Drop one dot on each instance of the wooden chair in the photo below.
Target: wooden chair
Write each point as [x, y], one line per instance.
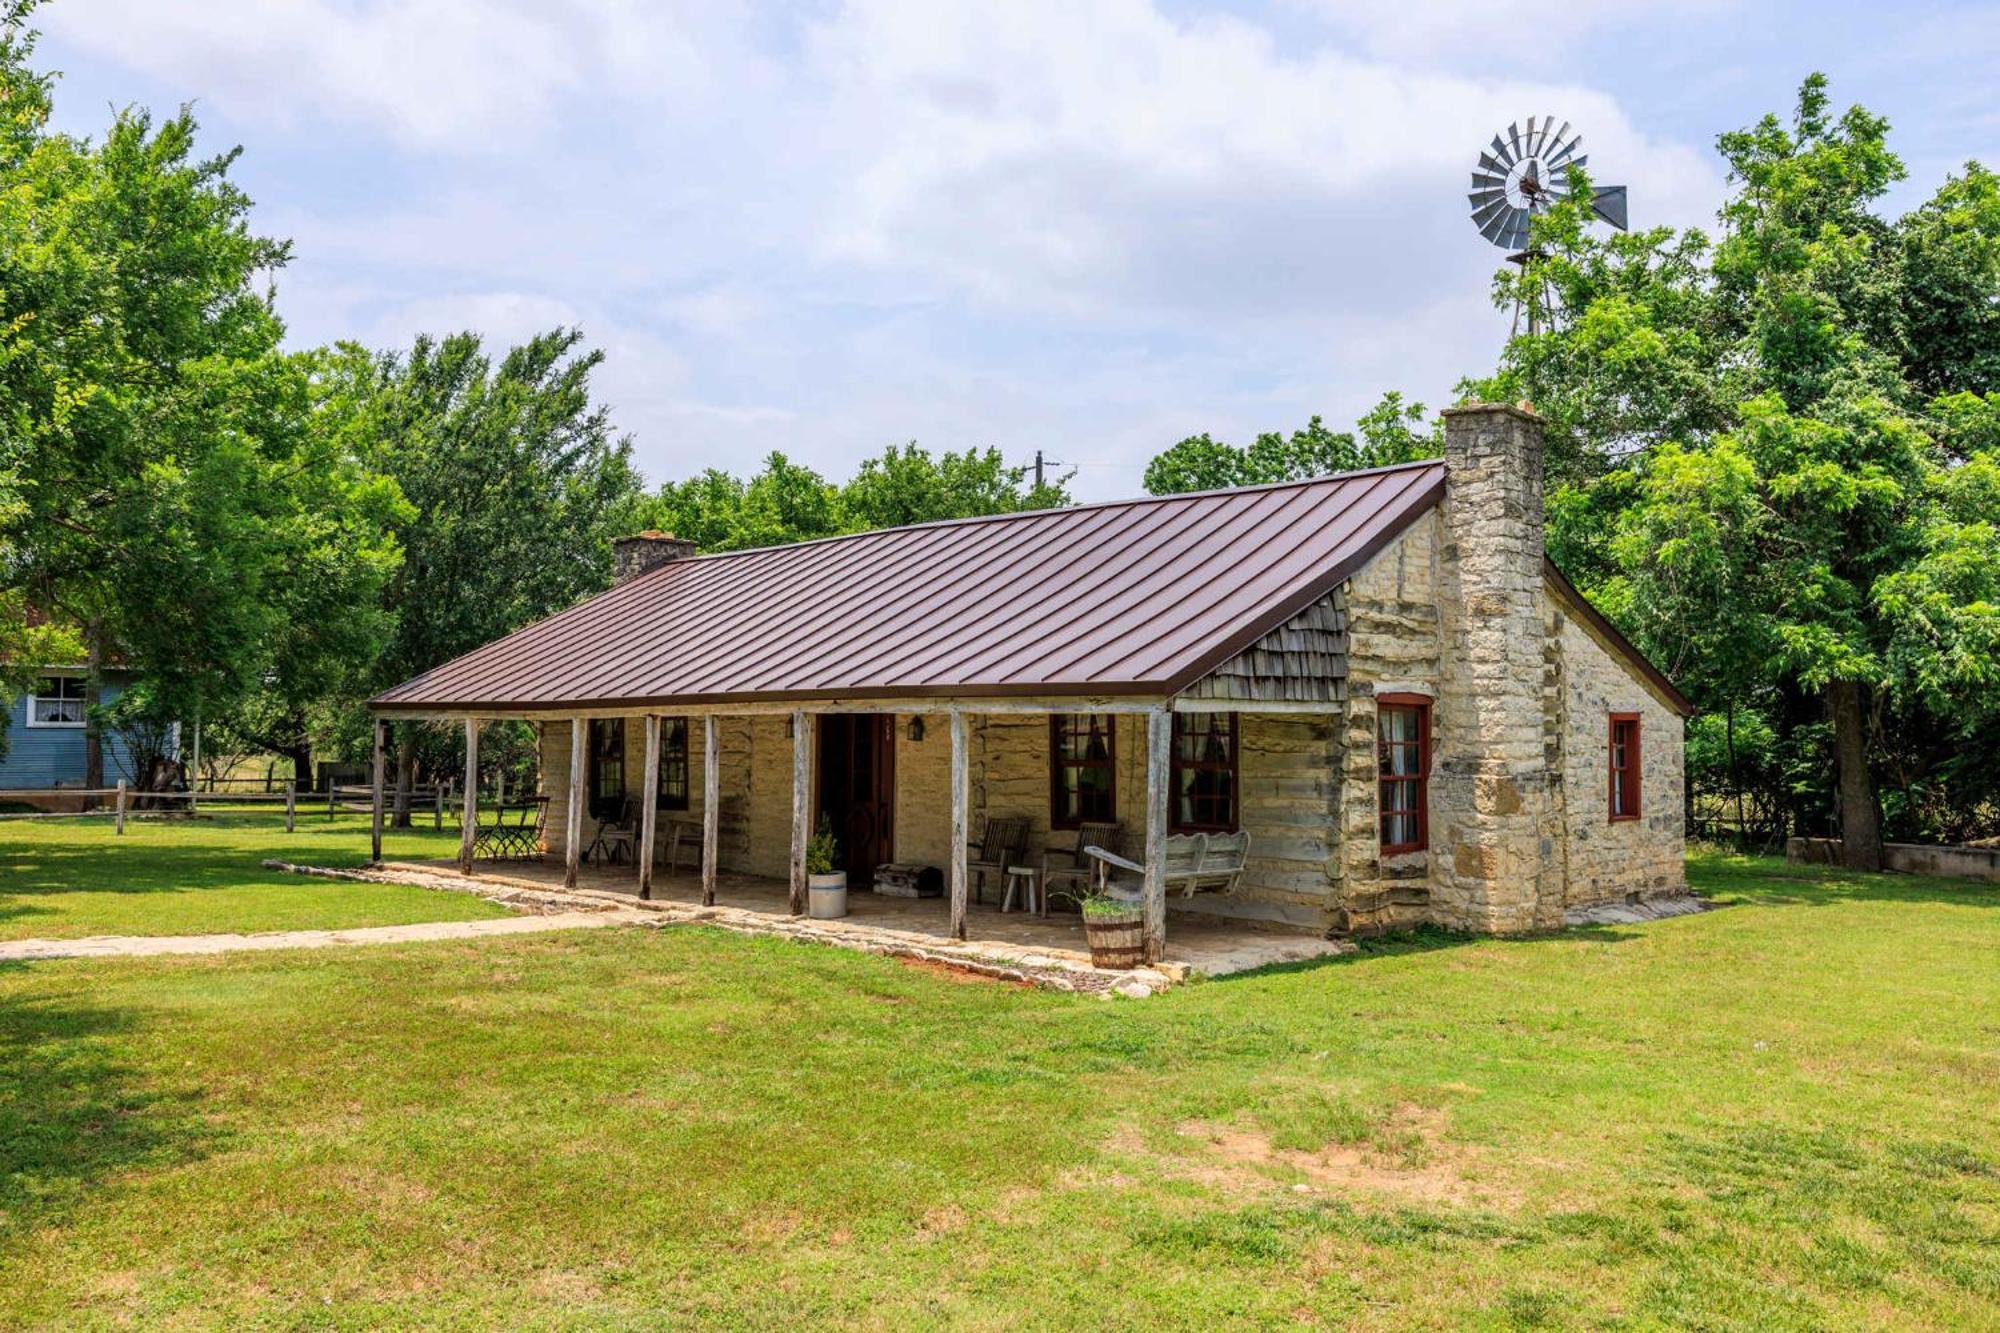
[675, 833]
[1066, 871]
[1004, 843]
[1195, 862]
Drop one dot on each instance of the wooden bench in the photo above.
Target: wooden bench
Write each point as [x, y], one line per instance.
[1196, 863]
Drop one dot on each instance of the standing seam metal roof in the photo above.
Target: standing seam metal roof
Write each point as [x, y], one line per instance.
[1129, 597]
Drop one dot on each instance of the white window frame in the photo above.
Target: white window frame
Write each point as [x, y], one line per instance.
[36, 697]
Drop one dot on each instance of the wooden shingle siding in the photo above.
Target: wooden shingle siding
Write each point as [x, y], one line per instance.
[1304, 660]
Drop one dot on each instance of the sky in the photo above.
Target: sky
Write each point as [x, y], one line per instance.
[1088, 227]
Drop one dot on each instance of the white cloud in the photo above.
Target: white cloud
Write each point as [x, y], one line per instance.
[1087, 228]
[458, 75]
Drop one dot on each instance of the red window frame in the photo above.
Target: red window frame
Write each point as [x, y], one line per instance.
[1199, 783]
[1622, 763]
[1387, 780]
[1094, 726]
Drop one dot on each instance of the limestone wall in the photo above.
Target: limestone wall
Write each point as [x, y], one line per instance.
[1602, 859]
[1394, 646]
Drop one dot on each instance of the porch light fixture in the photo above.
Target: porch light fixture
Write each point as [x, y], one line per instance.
[917, 727]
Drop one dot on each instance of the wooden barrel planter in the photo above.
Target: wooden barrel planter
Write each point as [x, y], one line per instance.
[1117, 939]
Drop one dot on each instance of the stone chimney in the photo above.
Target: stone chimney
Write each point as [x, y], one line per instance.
[1496, 787]
[642, 551]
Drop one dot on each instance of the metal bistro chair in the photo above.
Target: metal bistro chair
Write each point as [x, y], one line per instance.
[1004, 843]
[513, 839]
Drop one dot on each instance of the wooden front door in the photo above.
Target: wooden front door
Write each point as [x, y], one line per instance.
[857, 785]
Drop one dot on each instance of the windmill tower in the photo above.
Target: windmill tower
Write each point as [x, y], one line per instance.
[1523, 173]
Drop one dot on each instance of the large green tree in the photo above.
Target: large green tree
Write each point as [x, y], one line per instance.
[1770, 450]
[171, 503]
[514, 479]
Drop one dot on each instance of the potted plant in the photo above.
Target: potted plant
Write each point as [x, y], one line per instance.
[826, 888]
[1115, 927]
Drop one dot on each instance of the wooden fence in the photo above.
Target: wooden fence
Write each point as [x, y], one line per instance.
[124, 795]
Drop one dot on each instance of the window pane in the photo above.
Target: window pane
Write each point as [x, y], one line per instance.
[1082, 773]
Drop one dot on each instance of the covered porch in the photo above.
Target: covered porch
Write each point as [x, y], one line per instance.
[744, 786]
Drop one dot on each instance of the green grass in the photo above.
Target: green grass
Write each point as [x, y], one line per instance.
[1781, 1115]
[64, 878]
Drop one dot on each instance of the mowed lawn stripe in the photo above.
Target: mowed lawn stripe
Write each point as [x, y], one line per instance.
[67, 879]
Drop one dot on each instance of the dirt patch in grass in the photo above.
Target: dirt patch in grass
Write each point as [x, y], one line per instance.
[1407, 1159]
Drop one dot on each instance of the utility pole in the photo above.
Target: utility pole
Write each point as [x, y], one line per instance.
[1038, 469]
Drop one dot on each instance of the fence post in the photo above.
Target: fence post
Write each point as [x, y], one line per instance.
[121, 805]
[291, 806]
[437, 805]
[332, 794]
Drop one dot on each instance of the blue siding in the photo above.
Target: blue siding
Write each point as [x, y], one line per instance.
[53, 756]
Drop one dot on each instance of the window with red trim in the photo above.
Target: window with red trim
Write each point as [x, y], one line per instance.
[1624, 766]
[1403, 768]
[1204, 773]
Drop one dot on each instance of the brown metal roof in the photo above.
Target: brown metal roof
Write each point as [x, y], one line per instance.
[1133, 597]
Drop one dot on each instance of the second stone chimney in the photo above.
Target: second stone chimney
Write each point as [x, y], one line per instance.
[642, 551]
[1495, 792]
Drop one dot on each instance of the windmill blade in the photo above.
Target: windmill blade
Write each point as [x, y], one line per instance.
[1492, 163]
[1499, 211]
[1481, 198]
[1514, 137]
[1489, 180]
[1609, 204]
[1528, 139]
[1500, 151]
[1559, 158]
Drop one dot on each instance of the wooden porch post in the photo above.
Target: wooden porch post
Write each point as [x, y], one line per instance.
[1159, 754]
[649, 793]
[381, 729]
[579, 729]
[802, 737]
[961, 796]
[711, 806]
[468, 824]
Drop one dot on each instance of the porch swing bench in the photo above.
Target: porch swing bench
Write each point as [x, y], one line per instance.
[1195, 863]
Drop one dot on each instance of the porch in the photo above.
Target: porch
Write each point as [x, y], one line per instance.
[738, 790]
[1209, 946]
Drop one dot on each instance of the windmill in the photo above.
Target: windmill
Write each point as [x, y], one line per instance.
[1523, 173]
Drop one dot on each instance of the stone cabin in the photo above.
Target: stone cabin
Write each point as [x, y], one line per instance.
[1379, 676]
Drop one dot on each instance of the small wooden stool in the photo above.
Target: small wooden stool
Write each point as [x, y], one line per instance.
[1028, 878]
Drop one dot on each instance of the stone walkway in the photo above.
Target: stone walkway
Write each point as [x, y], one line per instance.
[148, 946]
[1055, 969]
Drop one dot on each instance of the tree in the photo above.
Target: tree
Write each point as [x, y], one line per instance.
[785, 502]
[169, 491]
[1388, 434]
[1757, 476]
[514, 485]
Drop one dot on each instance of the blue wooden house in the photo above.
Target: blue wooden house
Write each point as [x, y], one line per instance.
[45, 735]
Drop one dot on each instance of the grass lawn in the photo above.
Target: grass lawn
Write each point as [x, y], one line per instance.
[1781, 1115]
[67, 878]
